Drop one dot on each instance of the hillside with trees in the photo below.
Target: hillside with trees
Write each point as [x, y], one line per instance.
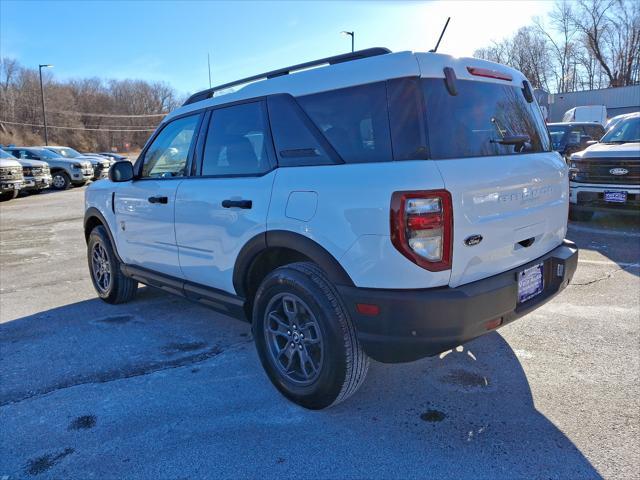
[88, 114]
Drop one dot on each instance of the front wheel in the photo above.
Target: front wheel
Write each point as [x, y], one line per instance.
[108, 280]
[305, 338]
[60, 181]
[8, 195]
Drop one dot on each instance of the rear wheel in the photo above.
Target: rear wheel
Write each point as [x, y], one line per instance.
[305, 338]
[580, 215]
[108, 280]
[60, 181]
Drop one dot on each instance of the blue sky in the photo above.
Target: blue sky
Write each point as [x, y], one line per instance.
[169, 40]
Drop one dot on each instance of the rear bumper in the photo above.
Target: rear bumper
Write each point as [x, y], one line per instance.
[413, 324]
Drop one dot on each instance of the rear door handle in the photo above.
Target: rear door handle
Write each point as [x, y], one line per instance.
[247, 204]
[158, 200]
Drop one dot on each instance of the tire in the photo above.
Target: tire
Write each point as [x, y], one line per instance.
[9, 195]
[60, 181]
[580, 215]
[104, 267]
[335, 364]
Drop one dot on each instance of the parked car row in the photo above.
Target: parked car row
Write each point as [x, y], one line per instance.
[33, 169]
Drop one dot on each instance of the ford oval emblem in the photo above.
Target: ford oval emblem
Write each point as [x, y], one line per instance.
[472, 240]
[618, 171]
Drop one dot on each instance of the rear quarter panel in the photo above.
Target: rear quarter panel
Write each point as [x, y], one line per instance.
[351, 218]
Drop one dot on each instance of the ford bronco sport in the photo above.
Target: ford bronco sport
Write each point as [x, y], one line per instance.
[387, 205]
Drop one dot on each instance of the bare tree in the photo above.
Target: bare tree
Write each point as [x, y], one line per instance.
[526, 51]
[611, 33]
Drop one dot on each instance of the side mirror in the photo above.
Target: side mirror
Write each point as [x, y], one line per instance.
[591, 142]
[121, 171]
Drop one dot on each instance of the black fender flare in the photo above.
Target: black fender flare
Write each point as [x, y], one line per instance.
[93, 212]
[291, 240]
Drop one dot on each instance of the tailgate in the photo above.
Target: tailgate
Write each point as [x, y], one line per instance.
[518, 204]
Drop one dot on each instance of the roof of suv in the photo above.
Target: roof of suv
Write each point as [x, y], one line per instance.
[361, 67]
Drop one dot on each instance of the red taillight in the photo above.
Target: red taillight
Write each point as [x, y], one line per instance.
[485, 72]
[421, 227]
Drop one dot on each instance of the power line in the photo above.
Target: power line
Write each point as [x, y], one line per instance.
[120, 126]
[68, 112]
[78, 128]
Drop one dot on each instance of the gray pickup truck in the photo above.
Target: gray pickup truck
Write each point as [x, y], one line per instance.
[100, 163]
[64, 172]
[11, 179]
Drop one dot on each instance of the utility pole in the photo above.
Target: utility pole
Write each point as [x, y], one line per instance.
[352, 35]
[44, 113]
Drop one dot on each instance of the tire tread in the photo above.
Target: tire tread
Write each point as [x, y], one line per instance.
[357, 359]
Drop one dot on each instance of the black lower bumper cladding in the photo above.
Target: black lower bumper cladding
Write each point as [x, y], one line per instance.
[413, 324]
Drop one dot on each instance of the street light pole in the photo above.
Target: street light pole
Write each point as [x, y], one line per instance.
[44, 114]
[352, 35]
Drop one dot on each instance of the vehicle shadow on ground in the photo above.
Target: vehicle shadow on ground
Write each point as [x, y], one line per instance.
[468, 413]
[472, 409]
[615, 236]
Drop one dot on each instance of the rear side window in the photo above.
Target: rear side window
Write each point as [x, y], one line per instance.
[237, 141]
[406, 118]
[594, 131]
[354, 120]
[483, 114]
[295, 143]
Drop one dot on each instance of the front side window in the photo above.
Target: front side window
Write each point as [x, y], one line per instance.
[354, 120]
[44, 153]
[167, 156]
[236, 142]
[484, 119]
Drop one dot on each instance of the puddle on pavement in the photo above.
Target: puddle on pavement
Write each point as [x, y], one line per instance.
[433, 416]
[84, 422]
[116, 319]
[40, 465]
[173, 348]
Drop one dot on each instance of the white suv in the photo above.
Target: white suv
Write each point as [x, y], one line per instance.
[386, 205]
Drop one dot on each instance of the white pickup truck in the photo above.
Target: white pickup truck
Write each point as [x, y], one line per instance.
[606, 175]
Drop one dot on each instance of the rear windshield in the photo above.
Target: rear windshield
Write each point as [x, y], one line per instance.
[481, 116]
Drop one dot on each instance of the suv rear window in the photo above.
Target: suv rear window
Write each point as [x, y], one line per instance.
[471, 123]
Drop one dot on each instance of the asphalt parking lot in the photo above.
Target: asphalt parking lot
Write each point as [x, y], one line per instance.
[165, 388]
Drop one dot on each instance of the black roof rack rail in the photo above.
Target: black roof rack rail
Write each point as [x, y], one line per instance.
[345, 57]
